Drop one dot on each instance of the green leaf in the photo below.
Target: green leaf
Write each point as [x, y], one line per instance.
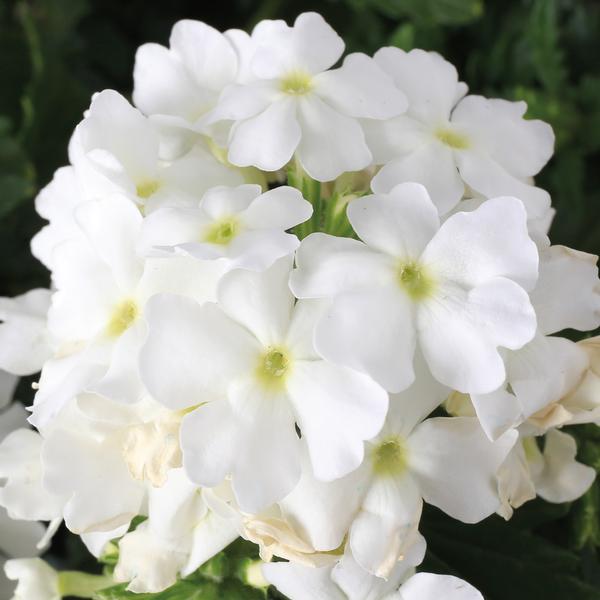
[441, 12]
[502, 560]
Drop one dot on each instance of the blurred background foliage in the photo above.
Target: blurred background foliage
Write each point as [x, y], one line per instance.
[55, 53]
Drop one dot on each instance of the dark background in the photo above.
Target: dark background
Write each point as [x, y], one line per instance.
[55, 53]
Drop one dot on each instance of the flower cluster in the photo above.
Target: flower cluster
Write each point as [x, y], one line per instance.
[293, 301]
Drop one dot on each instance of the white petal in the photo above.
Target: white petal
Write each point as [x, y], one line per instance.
[252, 438]
[373, 332]
[279, 208]
[359, 88]
[400, 223]
[24, 340]
[112, 226]
[322, 512]
[497, 411]
[260, 301]
[192, 351]
[222, 201]
[408, 408]
[427, 586]
[451, 455]
[563, 479]
[167, 227]
[268, 140]
[163, 86]
[520, 146]
[337, 410]
[311, 44]
[207, 53]
[430, 82]
[328, 265]
[331, 143]
[460, 333]
[104, 496]
[491, 241]
[115, 127]
[211, 535]
[567, 294]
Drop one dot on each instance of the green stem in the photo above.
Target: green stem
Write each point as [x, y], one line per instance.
[82, 585]
[311, 190]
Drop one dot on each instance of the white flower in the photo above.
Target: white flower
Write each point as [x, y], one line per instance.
[180, 534]
[240, 225]
[347, 581]
[24, 340]
[250, 359]
[448, 143]
[117, 149]
[412, 460]
[97, 311]
[455, 289]
[37, 580]
[293, 105]
[545, 370]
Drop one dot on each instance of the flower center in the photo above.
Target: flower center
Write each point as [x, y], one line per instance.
[122, 317]
[273, 366]
[222, 232]
[297, 83]
[452, 138]
[145, 189]
[414, 281]
[390, 457]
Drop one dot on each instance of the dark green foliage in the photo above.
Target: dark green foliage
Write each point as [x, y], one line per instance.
[55, 53]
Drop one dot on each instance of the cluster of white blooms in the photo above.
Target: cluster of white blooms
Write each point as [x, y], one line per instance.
[293, 301]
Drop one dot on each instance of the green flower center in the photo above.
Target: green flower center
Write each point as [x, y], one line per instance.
[122, 318]
[414, 281]
[297, 83]
[273, 367]
[145, 189]
[390, 457]
[222, 232]
[452, 138]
